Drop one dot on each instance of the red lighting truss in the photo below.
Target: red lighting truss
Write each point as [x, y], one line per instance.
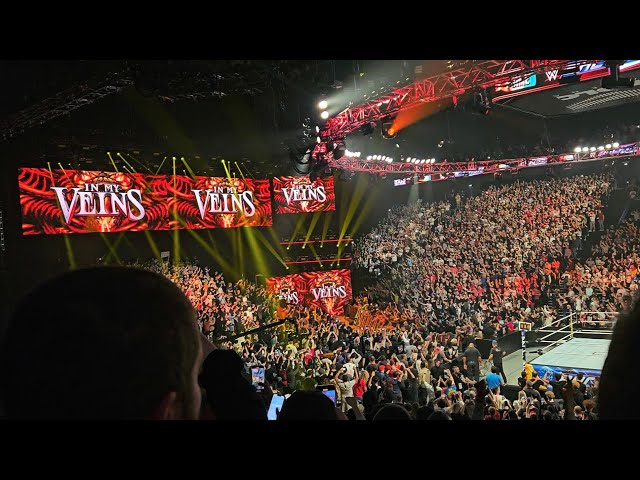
[478, 167]
[490, 73]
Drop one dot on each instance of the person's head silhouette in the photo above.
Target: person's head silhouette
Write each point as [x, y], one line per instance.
[103, 343]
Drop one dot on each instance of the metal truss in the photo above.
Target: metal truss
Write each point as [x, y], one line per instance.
[209, 94]
[477, 167]
[61, 104]
[456, 82]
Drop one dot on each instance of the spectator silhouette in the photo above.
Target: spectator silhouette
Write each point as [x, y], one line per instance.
[75, 350]
[305, 405]
[616, 393]
[230, 395]
[392, 411]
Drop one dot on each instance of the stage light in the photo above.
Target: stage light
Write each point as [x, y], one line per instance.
[323, 105]
[339, 149]
[482, 102]
[324, 115]
[397, 146]
[301, 160]
[601, 148]
[174, 159]
[317, 129]
[577, 150]
[409, 159]
[592, 149]
[616, 144]
[585, 149]
[433, 160]
[388, 131]
[318, 140]
[608, 146]
[368, 157]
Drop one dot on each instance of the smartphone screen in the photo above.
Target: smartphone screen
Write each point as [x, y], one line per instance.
[276, 402]
[328, 391]
[257, 377]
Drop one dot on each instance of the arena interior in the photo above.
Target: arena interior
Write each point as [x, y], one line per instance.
[319, 240]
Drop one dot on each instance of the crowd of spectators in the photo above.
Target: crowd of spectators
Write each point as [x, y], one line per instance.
[224, 308]
[492, 260]
[451, 274]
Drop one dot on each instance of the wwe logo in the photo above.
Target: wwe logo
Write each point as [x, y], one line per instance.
[551, 75]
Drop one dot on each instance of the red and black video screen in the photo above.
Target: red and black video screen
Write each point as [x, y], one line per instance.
[330, 290]
[301, 195]
[82, 201]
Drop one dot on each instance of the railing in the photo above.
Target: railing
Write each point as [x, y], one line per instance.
[568, 325]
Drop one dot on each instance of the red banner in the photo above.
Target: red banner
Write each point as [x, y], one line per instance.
[330, 290]
[301, 195]
[81, 201]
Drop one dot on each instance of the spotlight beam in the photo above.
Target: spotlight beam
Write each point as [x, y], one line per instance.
[325, 227]
[239, 170]
[70, 255]
[269, 247]
[207, 247]
[314, 220]
[133, 170]
[256, 252]
[361, 188]
[116, 244]
[183, 160]
[112, 250]
[112, 161]
[140, 163]
[247, 169]
[152, 244]
[299, 223]
[161, 164]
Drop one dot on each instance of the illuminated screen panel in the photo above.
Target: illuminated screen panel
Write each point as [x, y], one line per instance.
[81, 201]
[290, 288]
[329, 290]
[301, 195]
